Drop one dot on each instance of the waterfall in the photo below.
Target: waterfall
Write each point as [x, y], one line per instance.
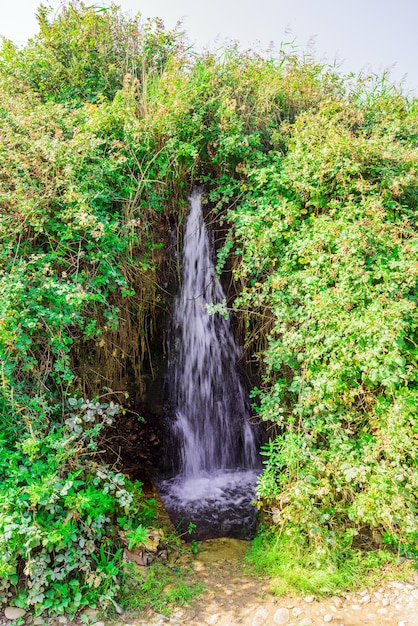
[211, 421]
[216, 446]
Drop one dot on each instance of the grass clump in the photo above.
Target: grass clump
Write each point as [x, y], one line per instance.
[161, 588]
[297, 567]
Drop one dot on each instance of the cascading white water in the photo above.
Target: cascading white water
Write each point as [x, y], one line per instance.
[216, 446]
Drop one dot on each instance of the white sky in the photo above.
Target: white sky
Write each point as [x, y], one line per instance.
[361, 34]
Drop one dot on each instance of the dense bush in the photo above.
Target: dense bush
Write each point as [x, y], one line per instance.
[56, 508]
[77, 254]
[329, 242]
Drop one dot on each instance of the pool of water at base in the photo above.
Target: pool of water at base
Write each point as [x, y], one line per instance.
[218, 504]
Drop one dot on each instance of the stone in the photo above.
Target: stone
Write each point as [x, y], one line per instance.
[414, 593]
[90, 613]
[397, 585]
[337, 602]
[63, 620]
[356, 607]
[328, 618]
[385, 601]
[296, 612]
[178, 615]
[38, 621]
[14, 612]
[305, 622]
[213, 619]
[99, 624]
[365, 600]
[382, 611]
[402, 623]
[198, 566]
[260, 616]
[281, 616]
[309, 599]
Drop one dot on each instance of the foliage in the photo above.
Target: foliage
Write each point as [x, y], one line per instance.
[77, 252]
[105, 123]
[329, 245]
[84, 54]
[56, 507]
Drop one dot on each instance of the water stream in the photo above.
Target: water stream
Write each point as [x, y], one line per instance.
[213, 444]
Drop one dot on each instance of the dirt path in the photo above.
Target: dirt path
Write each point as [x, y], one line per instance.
[231, 597]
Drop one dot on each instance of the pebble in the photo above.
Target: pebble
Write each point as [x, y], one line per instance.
[260, 616]
[90, 613]
[328, 618]
[397, 585]
[296, 612]
[356, 607]
[213, 619]
[63, 620]
[365, 600]
[401, 623]
[38, 621]
[414, 593]
[309, 599]
[281, 616]
[178, 615]
[385, 601]
[382, 611]
[13, 612]
[338, 602]
[306, 622]
[99, 624]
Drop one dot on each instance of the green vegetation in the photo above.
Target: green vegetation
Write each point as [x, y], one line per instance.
[105, 124]
[161, 587]
[296, 566]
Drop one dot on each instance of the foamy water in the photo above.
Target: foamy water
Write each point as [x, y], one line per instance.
[219, 504]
